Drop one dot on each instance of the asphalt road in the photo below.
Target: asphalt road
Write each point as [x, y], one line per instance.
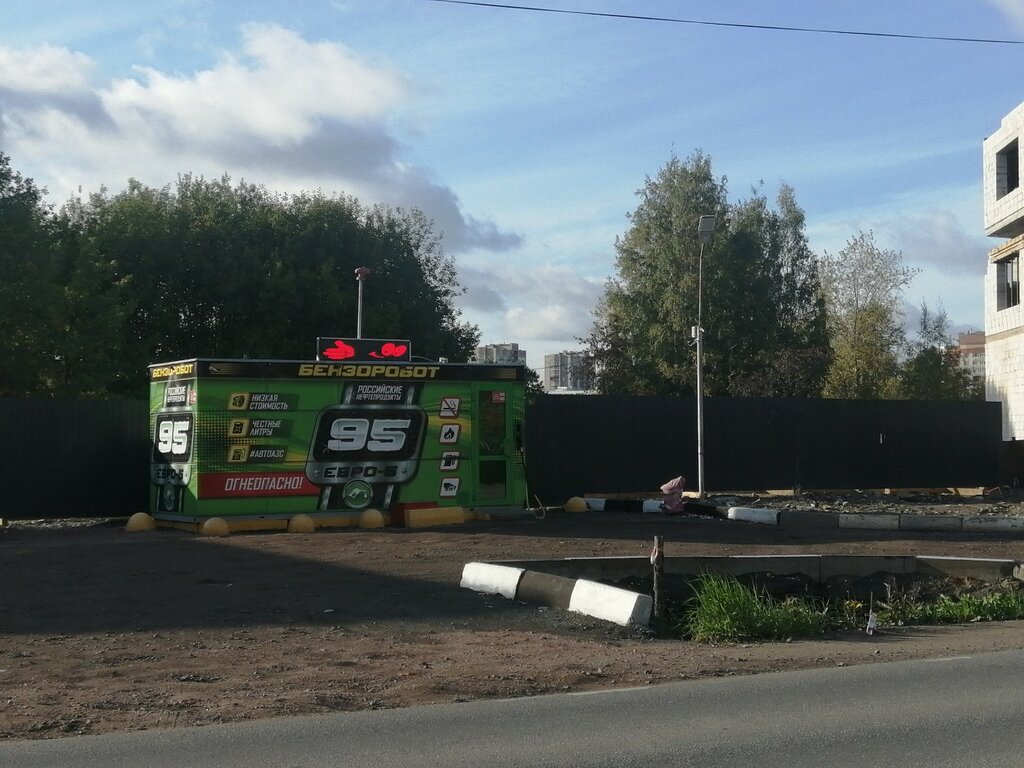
[962, 711]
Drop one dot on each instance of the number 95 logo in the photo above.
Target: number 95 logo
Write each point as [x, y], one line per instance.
[172, 441]
[377, 443]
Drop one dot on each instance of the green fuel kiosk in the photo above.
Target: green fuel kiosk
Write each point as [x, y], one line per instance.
[256, 442]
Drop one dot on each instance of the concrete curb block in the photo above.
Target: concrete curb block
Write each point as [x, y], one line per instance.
[424, 518]
[754, 515]
[931, 523]
[818, 568]
[826, 520]
[492, 579]
[985, 568]
[590, 598]
[985, 524]
[807, 520]
[611, 603]
[546, 589]
[625, 607]
[635, 506]
[869, 522]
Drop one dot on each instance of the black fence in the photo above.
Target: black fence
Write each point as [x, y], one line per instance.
[579, 444]
[90, 458]
[73, 458]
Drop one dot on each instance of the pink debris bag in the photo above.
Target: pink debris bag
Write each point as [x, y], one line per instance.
[673, 490]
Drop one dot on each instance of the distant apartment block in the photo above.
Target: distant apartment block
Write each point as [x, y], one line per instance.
[1004, 315]
[565, 372]
[971, 348]
[500, 354]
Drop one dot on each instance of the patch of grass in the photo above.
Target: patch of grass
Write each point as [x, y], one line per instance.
[723, 609]
[995, 606]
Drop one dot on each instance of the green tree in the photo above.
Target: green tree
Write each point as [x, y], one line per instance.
[932, 370]
[92, 304]
[777, 334]
[534, 385]
[640, 342]
[762, 312]
[862, 287]
[27, 290]
[210, 269]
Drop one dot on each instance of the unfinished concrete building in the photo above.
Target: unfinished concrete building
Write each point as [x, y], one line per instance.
[1004, 314]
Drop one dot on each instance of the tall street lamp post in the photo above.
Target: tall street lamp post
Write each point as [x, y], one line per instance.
[705, 228]
[361, 274]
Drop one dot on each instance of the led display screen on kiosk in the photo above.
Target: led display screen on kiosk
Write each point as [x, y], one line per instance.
[384, 350]
[375, 443]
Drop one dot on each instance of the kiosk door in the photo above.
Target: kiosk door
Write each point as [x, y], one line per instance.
[494, 447]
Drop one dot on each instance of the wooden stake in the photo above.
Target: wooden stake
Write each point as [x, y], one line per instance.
[658, 562]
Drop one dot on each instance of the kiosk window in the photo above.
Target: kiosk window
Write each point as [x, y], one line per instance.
[492, 424]
[492, 464]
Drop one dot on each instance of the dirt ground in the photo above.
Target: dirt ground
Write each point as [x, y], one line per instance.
[103, 630]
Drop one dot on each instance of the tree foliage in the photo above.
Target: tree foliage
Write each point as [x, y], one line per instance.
[27, 296]
[209, 269]
[863, 290]
[763, 317]
[932, 369]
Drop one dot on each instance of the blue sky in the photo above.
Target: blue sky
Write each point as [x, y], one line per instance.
[525, 135]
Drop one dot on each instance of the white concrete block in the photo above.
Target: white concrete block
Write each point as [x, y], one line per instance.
[611, 603]
[754, 515]
[491, 579]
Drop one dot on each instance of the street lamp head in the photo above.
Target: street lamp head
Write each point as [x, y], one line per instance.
[705, 228]
[362, 273]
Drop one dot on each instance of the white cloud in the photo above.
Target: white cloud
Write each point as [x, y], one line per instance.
[1012, 9]
[278, 94]
[551, 323]
[540, 304]
[483, 290]
[286, 112]
[936, 240]
[43, 70]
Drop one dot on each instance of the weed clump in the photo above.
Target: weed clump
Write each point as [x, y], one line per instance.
[723, 609]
